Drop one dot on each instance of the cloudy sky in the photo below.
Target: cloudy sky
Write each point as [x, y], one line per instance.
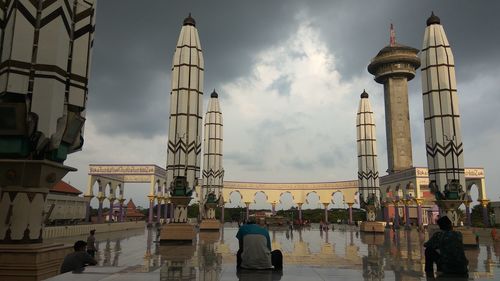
[289, 75]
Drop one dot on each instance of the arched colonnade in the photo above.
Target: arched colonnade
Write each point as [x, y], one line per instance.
[110, 178]
[299, 192]
[406, 198]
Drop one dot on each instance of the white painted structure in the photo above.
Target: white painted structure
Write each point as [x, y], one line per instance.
[443, 134]
[184, 134]
[68, 208]
[213, 170]
[45, 54]
[368, 181]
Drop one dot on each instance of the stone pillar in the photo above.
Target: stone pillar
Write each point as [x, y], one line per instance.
[273, 208]
[484, 207]
[120, 219]
[24, 185]
[172, 207]
[222, 214]
[350, 212]
[468, 220]
[111, 207]
[409, 251]
[326, 212]
[181, 208]
[449, 208]
[396, 215]
[407, 213]
[300, 212]
[247, 204]
[99, 210]
[158, 208]
[430, 217]
[419, 202]
[88, 198]
[165, 210]
[386, 215]
[210, 210]
[151, 204]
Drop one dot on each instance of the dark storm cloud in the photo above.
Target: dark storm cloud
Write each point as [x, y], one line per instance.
[134, 45]
[356, 31]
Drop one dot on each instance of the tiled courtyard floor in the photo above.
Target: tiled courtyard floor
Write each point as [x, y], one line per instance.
[309, 254]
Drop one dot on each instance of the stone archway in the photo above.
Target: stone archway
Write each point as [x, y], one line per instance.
[115, 176]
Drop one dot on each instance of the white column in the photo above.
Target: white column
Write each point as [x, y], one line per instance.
[213, 171]
[368, 180]
[184, 134]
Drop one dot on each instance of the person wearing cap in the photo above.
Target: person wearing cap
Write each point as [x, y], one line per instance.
[77, 260]
[255, 249]
[91, 249]
[446, 249]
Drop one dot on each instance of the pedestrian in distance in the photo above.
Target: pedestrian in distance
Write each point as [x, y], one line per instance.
[91, 249]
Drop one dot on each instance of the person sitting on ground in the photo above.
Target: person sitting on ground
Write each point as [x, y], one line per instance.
[77, 260]
[255, 248]
[446, 249]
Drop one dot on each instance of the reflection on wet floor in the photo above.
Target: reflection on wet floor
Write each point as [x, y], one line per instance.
[308, 254]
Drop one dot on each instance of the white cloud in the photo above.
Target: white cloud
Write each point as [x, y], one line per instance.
[304, 134]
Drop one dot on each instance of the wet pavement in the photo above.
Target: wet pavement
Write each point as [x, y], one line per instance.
[309, 254]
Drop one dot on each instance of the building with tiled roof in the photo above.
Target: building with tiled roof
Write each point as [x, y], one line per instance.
[65, 188]
[64, 205]
[131, 212]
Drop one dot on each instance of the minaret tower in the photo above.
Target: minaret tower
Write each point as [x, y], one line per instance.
[368, 180]
[394, 66]
[184, 132]
[213, 171]
[443, 134]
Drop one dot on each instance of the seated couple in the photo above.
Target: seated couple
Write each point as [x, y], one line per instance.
[255, 249]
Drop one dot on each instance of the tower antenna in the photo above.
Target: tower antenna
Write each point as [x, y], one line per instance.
[392, 39]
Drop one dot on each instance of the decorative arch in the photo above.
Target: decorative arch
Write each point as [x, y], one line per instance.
[111, 178]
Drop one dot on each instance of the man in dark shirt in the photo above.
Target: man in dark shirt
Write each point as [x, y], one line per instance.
[446, 249]
[77, 260]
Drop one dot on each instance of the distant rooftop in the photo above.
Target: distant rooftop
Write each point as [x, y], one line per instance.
[65, 188]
